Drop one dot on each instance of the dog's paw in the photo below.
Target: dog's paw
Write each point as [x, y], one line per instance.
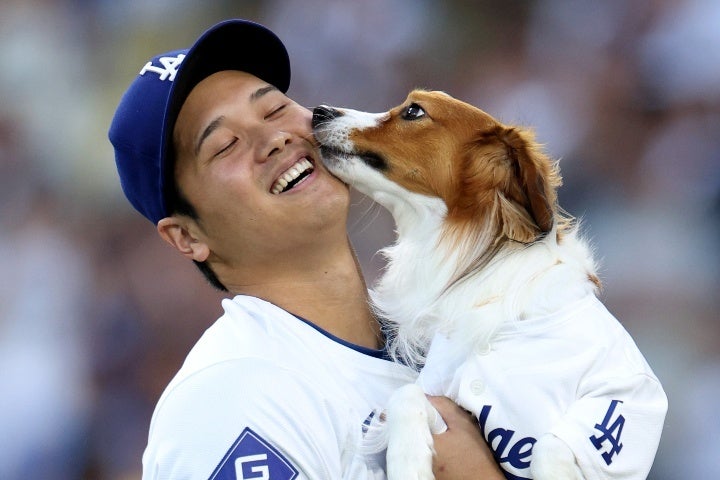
[552, 459]
[410, 443]
[404, 469]
[409, 461]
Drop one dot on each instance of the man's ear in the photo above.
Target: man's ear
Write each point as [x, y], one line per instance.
[180, 233]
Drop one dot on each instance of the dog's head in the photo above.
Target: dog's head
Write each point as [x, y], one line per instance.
[437, 146]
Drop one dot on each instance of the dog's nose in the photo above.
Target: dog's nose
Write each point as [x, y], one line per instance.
[323, 113]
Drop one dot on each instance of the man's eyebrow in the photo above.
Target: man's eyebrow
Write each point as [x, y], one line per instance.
[257, 94]
[212, 126]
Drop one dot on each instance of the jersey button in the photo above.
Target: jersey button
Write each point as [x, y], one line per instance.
[477, 387]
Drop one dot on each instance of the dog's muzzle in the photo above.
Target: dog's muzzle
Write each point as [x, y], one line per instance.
[324, 114]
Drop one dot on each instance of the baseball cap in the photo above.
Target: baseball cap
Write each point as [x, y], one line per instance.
[141, 131]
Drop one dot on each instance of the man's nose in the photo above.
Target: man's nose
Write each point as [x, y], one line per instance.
[277, 142]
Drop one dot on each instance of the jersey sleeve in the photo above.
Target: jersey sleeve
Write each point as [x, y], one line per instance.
[245, 418]
[614, 430]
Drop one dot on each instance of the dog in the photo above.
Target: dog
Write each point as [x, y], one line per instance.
[490, 288]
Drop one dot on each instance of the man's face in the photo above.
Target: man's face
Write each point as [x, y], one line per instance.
[247, 161]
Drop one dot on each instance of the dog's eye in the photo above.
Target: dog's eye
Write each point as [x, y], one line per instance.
[413, 112]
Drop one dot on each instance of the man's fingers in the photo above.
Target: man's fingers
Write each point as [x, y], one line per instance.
[435, 418]
[450, 412]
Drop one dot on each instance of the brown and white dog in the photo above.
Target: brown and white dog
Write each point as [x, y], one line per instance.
[490, 287]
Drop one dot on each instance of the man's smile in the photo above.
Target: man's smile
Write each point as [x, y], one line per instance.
[294, 175]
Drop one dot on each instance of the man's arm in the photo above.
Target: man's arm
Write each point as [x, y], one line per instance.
[246, 415]
[461, 451]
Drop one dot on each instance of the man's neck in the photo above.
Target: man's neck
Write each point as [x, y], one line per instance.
[332, 296]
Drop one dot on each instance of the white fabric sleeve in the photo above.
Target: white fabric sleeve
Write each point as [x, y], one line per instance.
[245, 415]
[614, 431]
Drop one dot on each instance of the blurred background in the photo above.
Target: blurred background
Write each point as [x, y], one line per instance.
[97, 313]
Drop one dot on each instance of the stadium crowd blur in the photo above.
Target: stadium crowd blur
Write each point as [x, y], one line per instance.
[97, 313]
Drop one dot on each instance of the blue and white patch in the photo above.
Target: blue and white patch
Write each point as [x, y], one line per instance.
[251, 457]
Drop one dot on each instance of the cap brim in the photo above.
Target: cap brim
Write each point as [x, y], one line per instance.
[230, 45]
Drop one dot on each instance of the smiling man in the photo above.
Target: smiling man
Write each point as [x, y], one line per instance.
[269, 219]
[290, 380]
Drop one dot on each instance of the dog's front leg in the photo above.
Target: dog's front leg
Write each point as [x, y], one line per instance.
[552, 459]
[411, 421]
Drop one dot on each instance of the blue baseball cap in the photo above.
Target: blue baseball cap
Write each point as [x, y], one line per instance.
[142, 128]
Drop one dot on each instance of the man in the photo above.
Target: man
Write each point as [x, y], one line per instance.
[291, 380]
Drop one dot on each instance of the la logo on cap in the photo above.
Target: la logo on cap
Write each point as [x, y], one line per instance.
[169, 67]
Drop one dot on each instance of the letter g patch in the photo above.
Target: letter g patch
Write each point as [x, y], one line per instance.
[252, 458]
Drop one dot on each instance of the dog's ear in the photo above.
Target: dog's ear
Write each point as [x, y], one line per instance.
[527, 191]
[506, 172]
[535, 174]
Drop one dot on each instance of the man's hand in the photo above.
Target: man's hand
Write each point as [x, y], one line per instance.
[461, 451]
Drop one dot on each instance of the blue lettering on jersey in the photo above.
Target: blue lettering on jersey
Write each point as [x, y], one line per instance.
[609, 433]
[505, 448]
[251, 457]
[367, 422]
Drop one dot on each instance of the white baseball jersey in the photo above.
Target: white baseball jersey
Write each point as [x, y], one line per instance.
[266, 395]
[576, 373]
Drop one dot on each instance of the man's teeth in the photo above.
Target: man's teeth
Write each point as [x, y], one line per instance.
[290, 176]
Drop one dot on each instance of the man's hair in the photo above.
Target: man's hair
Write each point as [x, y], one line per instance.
[180, 205]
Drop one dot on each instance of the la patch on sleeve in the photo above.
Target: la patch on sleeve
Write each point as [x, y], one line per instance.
[251, 457]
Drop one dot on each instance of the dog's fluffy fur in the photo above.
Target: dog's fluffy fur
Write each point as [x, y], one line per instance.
[478, 225]
[480, 237]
